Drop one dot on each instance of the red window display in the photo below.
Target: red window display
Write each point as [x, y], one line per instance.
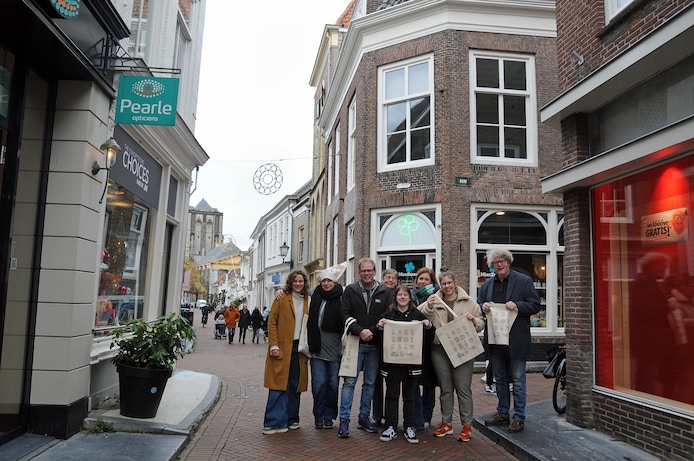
[644, 282]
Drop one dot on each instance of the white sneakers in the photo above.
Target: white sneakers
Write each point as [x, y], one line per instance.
[388, 435]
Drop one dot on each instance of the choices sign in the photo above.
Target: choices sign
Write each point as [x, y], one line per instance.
[147, 101]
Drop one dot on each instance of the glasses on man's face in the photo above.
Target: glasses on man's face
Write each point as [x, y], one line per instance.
[501, 262]
[367, 271]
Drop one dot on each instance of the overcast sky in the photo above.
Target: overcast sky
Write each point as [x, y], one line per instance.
[255, 103]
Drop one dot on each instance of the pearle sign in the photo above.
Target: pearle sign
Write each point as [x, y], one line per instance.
[147, 101]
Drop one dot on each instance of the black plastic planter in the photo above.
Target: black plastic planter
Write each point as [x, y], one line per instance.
[141, 390]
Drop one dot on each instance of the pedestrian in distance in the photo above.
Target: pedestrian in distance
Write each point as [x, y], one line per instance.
[364, 300]
[517, 293]
[403, 309]
[286, 370]
[453, 379]
[256, 324]
[231, 317]
[244, 322]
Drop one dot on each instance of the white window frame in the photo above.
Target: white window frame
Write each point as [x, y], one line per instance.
[330, 173]
[530, 93]
[614, 7]
[382, 107]
[337, 160]
[349, 277]
[351, 143]
[328, 247]
[336, 241]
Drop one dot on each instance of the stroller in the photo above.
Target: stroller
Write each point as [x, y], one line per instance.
[220, 329]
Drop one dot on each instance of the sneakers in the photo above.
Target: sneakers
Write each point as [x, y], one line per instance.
[343, 433]
[367, 425]
[444, 429]
[496, 420]
[516, 425]
[294, 426]
[465, 434]
[490, 389]
[274, 430]
[324, 424]
[410, 435]
[388, 435]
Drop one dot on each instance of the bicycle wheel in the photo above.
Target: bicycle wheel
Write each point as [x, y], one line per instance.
[559, 391]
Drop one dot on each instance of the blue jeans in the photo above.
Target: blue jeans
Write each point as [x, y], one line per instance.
[424, 403]
[324, 386]
[282, 409]
[367, 360]
[508, 370]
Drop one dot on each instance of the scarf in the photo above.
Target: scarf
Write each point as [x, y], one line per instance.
[332, 321]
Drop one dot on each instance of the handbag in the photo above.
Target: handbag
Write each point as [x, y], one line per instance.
[303, 337]
[350, 351]
[402, 342]
[459, 339]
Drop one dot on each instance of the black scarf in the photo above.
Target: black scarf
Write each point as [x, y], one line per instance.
[332, 321]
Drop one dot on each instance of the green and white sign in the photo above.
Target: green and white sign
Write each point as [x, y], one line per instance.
[147, 101]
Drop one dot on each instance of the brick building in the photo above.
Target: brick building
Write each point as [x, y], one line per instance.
[429, 148]
[625, 110]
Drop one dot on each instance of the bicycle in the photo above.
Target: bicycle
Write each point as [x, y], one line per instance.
[556, 369]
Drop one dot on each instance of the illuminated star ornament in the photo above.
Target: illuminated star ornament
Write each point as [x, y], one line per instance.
[67, 8]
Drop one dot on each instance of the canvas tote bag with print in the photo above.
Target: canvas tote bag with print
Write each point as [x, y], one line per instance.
[350, 351]
[402, 342]
[458, 338]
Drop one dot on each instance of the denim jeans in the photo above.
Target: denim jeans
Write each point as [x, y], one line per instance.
[324, 386]
[508, 370]
[367, 361]
[282, 409]
[231, 332]
[424, 403]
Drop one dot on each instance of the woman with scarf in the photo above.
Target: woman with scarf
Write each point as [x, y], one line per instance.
[325, 344]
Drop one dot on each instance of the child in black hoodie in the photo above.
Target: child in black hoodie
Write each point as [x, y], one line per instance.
[403, 309]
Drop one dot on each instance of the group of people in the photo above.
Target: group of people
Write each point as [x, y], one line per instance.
[232, 317]
[363, 309]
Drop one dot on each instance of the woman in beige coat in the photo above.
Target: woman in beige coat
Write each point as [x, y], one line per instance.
[286, 370]
[458, 379]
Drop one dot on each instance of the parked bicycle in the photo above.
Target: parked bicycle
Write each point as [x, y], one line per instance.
[556, 369]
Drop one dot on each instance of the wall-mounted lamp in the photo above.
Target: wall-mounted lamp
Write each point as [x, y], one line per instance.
[284, 250]
[111, 149]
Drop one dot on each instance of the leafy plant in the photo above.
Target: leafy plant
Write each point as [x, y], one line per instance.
[100, 426]
[154, 345]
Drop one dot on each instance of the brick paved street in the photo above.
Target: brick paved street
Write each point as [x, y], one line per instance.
[233, 428]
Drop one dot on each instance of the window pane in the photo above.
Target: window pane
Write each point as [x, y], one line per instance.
[420, 113]
[514, 75]
[420, 144]
[418, 81]
[515, 143]
[514, 110]
[395, 84]
[487, 108]
[487, 73]
[488, 141]
[396, 117]
[397, 148]
[513, 227]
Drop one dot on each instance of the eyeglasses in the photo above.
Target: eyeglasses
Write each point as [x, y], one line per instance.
[501, 262]
[366, 271]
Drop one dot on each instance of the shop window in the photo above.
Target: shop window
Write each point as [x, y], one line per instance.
[512, 227]
[123, 258]
[644, 283]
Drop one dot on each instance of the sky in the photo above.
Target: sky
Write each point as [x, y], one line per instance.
[255, 104]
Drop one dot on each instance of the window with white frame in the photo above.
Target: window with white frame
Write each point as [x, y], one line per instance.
[350, 253]
[405, 124]
[336, 241]
[337, 160]
[328, 247]
[502, 108]
[301, 244]
[330, 172]
[614, 7]
[351, 143]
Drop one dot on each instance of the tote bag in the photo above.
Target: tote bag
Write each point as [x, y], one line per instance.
[350, 352]
[459, 339]
[402, 342]
[303, 337]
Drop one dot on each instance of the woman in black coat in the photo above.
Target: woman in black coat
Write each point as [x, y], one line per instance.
[256, 323]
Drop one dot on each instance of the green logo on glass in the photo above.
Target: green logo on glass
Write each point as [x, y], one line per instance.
[147, 101]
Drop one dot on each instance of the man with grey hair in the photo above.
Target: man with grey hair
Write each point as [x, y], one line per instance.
[364, 300]
[517, 292]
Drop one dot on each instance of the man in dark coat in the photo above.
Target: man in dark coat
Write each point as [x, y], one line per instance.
[516, 291]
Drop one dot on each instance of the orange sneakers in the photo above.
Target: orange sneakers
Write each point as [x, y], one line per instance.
[465, 434]
[444, 429]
